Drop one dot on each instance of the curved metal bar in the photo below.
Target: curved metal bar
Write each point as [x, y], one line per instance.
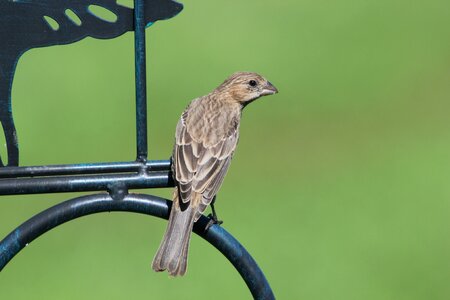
[138, 203]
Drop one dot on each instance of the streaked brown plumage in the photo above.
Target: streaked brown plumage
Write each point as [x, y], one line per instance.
[205, 140]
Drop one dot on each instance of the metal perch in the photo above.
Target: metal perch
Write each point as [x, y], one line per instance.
[24, 24]
[137, 203]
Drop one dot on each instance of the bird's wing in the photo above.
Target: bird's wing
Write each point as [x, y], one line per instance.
[200, 168]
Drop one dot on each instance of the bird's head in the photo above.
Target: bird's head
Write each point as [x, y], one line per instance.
[245, 87]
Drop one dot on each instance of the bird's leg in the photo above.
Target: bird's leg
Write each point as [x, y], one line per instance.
[213, 219]
[214, 214]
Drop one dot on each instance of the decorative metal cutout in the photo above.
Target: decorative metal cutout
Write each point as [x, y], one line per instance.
[27, 24]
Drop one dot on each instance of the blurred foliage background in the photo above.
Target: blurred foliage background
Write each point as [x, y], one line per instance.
[339, 187]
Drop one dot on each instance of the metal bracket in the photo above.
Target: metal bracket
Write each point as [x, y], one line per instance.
[28, 24]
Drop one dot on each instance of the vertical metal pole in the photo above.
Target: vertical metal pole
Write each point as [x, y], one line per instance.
[141, 81]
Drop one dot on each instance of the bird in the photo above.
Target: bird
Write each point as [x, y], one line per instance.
[206, 137]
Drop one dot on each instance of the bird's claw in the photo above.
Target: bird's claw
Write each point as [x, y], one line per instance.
[213, 221]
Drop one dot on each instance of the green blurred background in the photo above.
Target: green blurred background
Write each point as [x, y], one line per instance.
[339, 188]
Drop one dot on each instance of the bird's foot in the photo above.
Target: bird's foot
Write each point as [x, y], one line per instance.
[213, 220]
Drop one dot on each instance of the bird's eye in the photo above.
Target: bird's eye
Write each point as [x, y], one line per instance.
[253, 83]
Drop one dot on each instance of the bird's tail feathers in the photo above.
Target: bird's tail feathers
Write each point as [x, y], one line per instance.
[173, 251]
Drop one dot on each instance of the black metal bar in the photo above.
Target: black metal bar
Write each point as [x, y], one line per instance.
[76, 169]
[141, 81]
[145, 204]
[80, 183]
[238, 256]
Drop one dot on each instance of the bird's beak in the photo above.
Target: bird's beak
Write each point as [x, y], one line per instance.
[269, 89]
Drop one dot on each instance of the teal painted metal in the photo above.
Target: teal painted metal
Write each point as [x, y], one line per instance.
[23, 27]
[141, 81]
[17, 18]
[120, 200]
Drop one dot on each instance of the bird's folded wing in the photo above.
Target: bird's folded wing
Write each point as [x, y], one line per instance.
[199, 168]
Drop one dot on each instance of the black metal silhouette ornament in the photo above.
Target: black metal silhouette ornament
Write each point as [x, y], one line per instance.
[27, 24]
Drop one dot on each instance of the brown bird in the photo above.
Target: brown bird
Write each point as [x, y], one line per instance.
[205, 140]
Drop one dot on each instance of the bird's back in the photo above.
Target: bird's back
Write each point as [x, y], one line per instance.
[209, 120]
